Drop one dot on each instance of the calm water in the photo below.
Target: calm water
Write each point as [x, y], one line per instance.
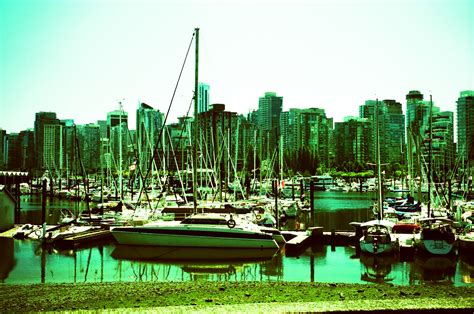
[25, 262]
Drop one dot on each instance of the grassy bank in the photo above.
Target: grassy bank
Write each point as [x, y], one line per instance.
[196, 295]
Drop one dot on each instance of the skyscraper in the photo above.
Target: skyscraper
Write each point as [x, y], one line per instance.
[391, 123]
[203, 97]
[3, 137]
[53, 148]
[89, 144]
[465, 125]
[352, 138]
[268, 122]
[42, 119]
[149, 124]
[307, 130]
[418, 124]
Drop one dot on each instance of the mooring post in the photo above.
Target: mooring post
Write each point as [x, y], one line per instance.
[358, 235]
[301, 190]
[43, 210]
[17, 205]
[333, 240]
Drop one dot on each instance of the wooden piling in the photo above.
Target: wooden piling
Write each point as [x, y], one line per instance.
[301, 190]
[43, 209]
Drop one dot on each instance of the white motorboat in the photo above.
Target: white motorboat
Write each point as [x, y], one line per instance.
[198, 230]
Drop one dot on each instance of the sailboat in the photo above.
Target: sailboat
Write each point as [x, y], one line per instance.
[437, 235]
[377, 235]
[197, 230]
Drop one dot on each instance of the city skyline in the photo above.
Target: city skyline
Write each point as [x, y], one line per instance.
[332, 55]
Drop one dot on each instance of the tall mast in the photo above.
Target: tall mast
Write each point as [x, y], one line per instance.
[195, 131]
[379, 175]
[429, 154]
[120, 150]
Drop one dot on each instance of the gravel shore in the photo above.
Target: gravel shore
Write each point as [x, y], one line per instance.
[234, 297]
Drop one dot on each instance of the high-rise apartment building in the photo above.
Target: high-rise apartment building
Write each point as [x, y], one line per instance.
[89, 144]
[203, 97]
[268, 123]
[218, 132]
[307, 130]
[3, 137]
[465, 125]
[391, 122]
[149, 124]
[418, 123]
[42, 119]
[13, 152]
[117, 123]
[53, 148]
[27, 139]
[442, 147]
[352, 138]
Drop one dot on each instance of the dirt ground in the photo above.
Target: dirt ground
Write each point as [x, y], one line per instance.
[233, 296]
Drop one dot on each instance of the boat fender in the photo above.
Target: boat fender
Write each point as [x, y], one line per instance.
[259, 217]
[231, 223]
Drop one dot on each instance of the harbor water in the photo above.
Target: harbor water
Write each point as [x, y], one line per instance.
[28, 262]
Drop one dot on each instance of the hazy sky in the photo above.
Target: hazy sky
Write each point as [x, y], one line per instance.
[79, 58]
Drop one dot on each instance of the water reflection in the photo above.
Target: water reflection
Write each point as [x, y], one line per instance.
[435, 269]
[8, 258]
[28, 262]
[466, 268]
[377, 269]
[190, 254]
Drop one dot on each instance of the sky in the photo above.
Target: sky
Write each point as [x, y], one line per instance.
[80, 58]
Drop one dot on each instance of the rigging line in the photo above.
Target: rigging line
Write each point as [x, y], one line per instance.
[173, 152]
[139, 171]
[167, 112]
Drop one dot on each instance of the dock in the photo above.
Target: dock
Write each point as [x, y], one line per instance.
[76, 240]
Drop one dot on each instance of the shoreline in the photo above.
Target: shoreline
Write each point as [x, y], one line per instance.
[233, 296]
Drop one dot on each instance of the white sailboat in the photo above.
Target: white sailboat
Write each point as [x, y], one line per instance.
[377, 235]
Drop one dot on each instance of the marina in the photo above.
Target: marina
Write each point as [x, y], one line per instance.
[326, 253]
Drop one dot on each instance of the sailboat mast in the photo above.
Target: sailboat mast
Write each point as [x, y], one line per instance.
[195, 133]
[379, 175]
[120, 151]
[429, 154]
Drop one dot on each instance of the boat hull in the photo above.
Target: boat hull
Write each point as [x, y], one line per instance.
[436, 247]
[196, 237]
[379, 248]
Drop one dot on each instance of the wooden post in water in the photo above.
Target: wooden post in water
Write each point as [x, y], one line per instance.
[17, 205]
[51, 188]
[333, 240]
[301, 190]
[311, 203]
[358, 235]
[43, 209]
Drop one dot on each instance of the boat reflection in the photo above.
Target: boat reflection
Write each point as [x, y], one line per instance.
[8, 261]
[201, 263]
[466, 268]
[435, 269]
[377, 269]
[191, 254]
